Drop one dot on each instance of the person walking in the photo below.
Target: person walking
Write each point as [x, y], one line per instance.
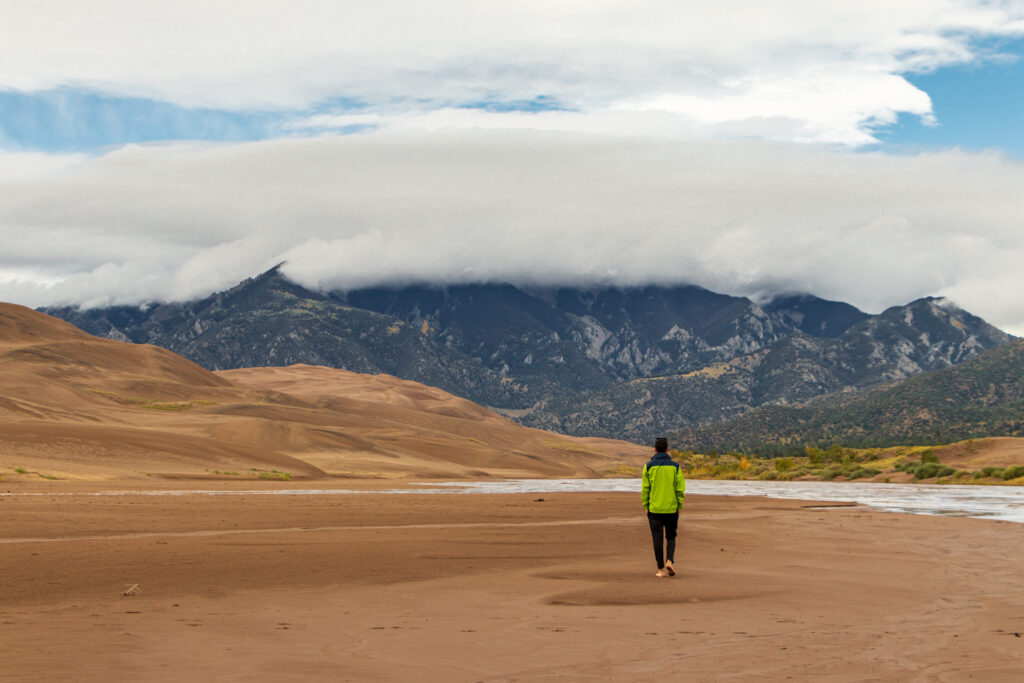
[662, 491]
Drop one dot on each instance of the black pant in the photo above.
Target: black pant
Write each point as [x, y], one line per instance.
[663, 524]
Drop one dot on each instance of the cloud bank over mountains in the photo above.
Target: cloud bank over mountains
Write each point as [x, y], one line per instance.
[178, 221]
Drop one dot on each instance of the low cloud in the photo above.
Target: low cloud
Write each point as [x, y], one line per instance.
[179, 221]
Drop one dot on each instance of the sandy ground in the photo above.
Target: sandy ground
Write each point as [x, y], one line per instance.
[373, 587]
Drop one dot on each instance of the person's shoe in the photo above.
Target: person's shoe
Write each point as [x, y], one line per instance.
[669, 569]
[660, 574]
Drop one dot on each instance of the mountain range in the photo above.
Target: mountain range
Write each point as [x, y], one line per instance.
[622, 362]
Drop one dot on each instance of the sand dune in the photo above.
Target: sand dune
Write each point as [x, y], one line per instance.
[77, 407]
[999, 451]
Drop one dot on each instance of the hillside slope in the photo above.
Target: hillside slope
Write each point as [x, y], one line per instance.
[73, 406]
[982, 397]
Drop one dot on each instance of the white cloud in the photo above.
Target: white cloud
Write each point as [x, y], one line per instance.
[15, 166]
[179, 221]
[801, 70]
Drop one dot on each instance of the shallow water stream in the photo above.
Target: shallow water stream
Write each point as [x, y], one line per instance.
[987, 502]
[1004, 503]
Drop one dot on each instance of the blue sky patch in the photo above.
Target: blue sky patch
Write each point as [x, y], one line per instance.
[536, 104]
[74, 120]
[978, 106]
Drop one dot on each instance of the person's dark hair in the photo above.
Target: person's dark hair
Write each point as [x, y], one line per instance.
[661, 444]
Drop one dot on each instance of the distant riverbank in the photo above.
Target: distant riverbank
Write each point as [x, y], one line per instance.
[993, 461]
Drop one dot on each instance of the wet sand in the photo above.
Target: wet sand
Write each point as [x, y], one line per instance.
[499, 588]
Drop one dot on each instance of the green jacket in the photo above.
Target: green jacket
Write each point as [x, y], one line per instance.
[664, 487]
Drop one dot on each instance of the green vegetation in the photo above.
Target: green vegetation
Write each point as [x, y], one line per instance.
[985, 472]
[279, 476]
[931, 470]
[1013, 472]
[22, 470]
[836, 463]
[927, 468]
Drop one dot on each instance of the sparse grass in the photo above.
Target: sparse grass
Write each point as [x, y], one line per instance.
[570, 447]
[914, 450]
[19, 470]
[152, 404]
[45, 476]
[622, 470]
[169, 406]
[279, 476]
[886, 463]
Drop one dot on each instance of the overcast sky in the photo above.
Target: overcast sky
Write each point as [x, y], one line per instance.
[869, 152]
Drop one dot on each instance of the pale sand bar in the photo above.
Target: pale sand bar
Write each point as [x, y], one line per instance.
[500, 588]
